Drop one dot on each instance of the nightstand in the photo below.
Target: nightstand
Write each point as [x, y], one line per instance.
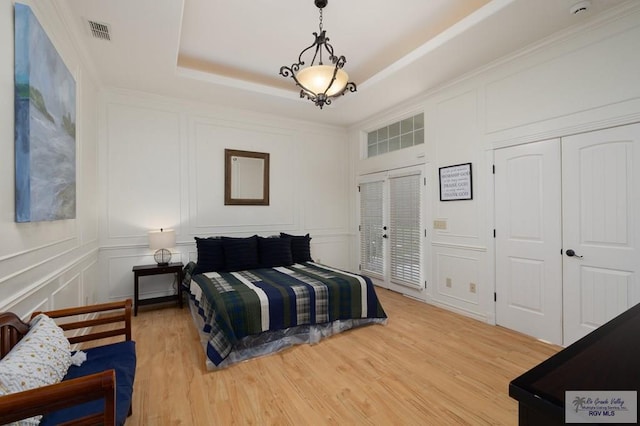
[144, 270]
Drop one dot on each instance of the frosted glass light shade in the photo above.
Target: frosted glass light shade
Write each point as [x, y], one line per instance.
[318, 77]
[165, 238]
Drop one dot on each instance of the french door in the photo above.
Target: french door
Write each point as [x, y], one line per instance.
[391, 228]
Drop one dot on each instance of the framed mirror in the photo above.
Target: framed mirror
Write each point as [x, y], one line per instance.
[246, 178]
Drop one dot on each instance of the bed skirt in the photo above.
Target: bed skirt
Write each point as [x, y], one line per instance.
[270, 342]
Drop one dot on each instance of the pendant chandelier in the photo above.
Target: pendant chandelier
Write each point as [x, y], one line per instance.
[319, 82]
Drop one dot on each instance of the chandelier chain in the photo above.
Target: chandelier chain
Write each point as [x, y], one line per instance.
[320, 19]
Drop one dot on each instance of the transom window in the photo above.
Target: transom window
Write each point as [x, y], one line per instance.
[402, 134]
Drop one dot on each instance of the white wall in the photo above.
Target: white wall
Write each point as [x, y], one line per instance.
[583, 79]
[48, 265]
[162, 165]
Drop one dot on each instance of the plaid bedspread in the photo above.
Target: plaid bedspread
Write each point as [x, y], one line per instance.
[239, 304]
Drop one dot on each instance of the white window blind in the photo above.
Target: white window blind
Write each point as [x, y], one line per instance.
[371, 217]
[404, 224]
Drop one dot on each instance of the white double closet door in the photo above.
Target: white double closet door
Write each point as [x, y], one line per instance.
[567, 233]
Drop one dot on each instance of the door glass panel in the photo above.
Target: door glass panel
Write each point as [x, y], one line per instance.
[371, 217]
[404, 229]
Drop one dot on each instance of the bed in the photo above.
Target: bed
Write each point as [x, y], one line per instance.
[255, 296]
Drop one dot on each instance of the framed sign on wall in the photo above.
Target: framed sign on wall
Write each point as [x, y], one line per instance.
[455, 182]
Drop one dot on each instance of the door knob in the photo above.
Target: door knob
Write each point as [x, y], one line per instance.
[384, 235]
[572, 253]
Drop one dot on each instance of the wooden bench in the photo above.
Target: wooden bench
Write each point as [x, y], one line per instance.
[100, 390]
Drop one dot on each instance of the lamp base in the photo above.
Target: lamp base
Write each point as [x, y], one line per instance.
[162, 257]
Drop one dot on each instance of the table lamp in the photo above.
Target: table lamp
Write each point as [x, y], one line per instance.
[161, 241]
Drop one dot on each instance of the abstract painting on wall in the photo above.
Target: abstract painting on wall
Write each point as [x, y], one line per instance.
[45, 125]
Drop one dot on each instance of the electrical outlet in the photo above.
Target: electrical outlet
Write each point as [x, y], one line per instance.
[448, 282]
[440, 224]
[472, 287]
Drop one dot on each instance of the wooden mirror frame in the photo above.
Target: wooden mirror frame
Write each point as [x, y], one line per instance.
[228, 199]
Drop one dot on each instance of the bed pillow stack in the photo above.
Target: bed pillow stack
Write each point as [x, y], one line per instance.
[228, 254]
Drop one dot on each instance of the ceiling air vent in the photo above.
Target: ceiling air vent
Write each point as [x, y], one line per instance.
[99, 30]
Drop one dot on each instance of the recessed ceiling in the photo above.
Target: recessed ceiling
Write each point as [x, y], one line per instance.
[229, 52]
[266, 35]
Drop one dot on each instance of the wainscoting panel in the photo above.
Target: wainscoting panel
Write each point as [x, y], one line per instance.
[120, 275]
[69, 294]
[26, 307]
[322, 185]
[61, 288]
[89, 282]
[460, 280]
[456, 274]
[331, 250]
[565, 84]
[454, 145]
[210, 139]
[142, 171]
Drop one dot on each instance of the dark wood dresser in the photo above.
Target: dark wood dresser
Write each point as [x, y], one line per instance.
[606, 359]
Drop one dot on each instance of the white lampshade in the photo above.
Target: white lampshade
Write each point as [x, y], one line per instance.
[318, 77]
[162, 239]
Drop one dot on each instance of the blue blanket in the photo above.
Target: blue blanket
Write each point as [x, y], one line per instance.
[235, 305]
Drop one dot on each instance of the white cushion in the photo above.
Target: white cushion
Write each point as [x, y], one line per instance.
[41, 358]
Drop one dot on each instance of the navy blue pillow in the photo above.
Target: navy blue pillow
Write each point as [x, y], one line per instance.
[210, 255]
[240, 253]
[274, 252]
[300, 247]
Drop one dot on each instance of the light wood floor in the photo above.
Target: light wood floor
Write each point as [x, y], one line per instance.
[426, 367]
